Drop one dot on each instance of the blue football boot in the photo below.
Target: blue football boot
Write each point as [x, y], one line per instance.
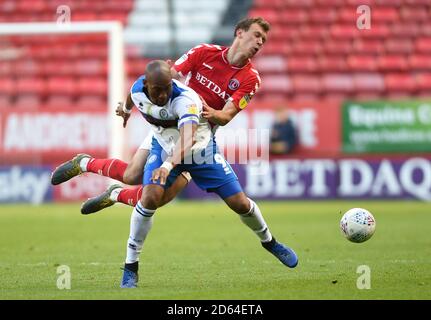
[130, 279]
[286, 255]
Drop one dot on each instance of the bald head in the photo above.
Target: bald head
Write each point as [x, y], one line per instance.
[158, 71]
[158, 81]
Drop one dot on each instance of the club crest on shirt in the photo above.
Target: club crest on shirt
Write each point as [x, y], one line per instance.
[233, 84]
[163, 113]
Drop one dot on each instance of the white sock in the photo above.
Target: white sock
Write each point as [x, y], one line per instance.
[140, 224]
[254, 220]
[83, 164]
[114, 194]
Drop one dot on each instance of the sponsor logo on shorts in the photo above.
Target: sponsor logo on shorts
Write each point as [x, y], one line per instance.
[152, 158]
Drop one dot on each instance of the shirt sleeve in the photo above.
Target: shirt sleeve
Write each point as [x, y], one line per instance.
[189, 60]
[245, 93]
[137, 89]
[187, 110]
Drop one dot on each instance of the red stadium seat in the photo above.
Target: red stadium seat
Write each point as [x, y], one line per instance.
[91, 102]
[294, 16]
[301, 64]
[270, 63]
[424, 82]
[406, 29]
[61, 85]
[332, 63]
[6, 69]
[306, 47]
[55, 101]
[384, 14]
[7, 86]
[337, 83]
[303, 83]
[337, 46]
[392, 63]
[35, 86]
[368, 82]
[272, 16]
[93, 86]
[423, 45]
[94, 67]
[362, 63]
[28, 100]
[420, 62]
[276, 83]
[323, 15]
[367, 96]
[401, 46]
[308, 31]
[31, 6]
[368, 46]
[403, 82]
[344, 31]
[377, 31]
[413, 13]
[57, 67]
[28, 68]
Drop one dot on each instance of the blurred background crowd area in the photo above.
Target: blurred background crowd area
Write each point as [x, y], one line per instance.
[315, 50]
[355, 90]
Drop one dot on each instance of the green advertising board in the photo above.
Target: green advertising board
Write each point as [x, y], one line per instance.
[386, 126]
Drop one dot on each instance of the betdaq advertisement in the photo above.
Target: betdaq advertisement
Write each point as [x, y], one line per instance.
[386, 126]
[349, 178]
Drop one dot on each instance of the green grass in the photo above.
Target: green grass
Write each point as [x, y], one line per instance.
[201, 250]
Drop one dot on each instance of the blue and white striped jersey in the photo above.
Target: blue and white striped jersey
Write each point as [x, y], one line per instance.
[184, 106]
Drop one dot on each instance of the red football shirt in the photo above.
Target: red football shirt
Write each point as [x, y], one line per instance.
[209, 73]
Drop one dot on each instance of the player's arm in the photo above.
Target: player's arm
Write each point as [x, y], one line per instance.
[182, 147]
[237, 102]
[220, 117]
[125, 109]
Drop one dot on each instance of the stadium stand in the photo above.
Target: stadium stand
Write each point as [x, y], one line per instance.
[327, 55]
[314, 49]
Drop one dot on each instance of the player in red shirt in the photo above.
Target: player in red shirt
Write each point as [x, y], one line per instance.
[223, 76]
[225, 79]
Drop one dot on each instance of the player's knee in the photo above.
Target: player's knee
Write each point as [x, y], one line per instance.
[151, 200]
[132, 176]
[241, 206]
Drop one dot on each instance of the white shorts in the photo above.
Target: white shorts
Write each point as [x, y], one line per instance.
[146, 145]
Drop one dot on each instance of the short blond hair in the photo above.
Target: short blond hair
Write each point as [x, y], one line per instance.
[245, 24]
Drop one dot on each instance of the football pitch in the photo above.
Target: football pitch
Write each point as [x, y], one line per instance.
[201, 250]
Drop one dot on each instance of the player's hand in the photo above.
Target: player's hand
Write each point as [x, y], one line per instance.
[160, 174]
[119, 112]
[208, 112]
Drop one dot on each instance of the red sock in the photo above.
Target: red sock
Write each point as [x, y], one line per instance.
[130, 196]
[112, 168]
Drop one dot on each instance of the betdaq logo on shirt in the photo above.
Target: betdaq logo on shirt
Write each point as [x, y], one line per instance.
[212, 86]
[25, 184]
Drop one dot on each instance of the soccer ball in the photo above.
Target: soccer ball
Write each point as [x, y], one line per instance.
[358, 225]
